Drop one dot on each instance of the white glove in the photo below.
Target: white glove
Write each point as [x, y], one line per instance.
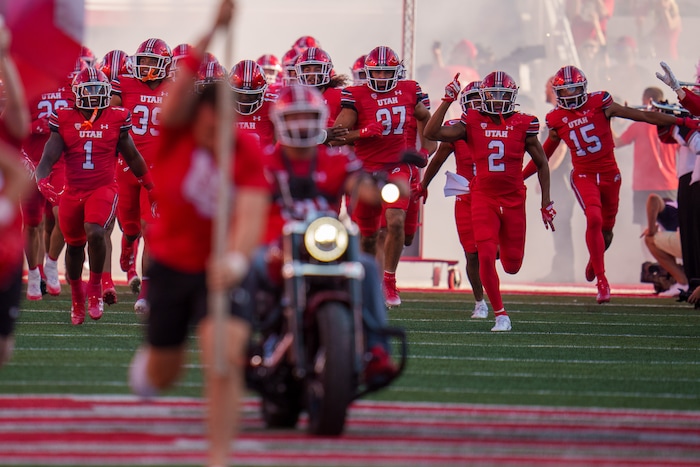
[668, 77]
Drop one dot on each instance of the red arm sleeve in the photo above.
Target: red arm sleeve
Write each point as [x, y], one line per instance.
[691, 101]
[549, 147]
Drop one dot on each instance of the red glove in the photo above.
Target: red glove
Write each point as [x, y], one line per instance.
[452, 90]
[372, 130]
[548, 214]
[688, 123]
[421, 192]
[147, 183]
[48, 190]
[40, 126]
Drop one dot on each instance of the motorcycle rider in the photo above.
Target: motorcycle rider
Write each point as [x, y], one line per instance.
[318, 174]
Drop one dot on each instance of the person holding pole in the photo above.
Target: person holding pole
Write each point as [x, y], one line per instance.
[186, 179]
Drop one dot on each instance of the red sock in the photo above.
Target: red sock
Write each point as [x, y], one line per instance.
[144, 287]
[41, 271]
[95, 284]
[389, 276]
[489, 275]
[76, 290]
[107, 281]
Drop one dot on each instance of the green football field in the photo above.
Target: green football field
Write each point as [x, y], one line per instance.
[562, 351]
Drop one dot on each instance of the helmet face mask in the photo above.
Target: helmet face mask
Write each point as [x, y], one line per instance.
[313, 67]
[383, 69]
[152, 60]
[299, 116]
[498, 93]
[470, 98]
[92, 89]
[248, 83]
[570, 87]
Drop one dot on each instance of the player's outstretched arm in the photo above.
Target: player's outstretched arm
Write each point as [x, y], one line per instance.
[655, 118]
[443, 152]
[52, 152]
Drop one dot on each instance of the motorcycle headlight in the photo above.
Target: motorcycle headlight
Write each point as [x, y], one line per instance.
[326, 239]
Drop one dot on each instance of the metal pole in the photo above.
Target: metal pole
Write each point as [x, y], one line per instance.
[408, 52]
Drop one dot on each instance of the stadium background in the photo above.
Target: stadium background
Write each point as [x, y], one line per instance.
[349, 29]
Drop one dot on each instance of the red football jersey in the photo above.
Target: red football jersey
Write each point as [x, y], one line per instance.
[258, 124]
[393, 109]
[145, 105]
[185, 179]
[498, 150]
[90, 155]
[463, 158]
[331, 169]
[332, 98]
[586, 131]
[41, 109]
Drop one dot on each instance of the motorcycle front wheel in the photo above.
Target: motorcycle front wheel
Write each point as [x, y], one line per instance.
[331, 384]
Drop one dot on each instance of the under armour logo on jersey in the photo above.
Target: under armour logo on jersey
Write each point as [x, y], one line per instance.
[398, 92]
[164, 93]
[509, 127]
[257, 118]
[104, 126]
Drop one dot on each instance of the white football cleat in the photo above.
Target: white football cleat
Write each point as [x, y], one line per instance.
[481, 310]
[34, 284]
[141, 307]
[502, 324]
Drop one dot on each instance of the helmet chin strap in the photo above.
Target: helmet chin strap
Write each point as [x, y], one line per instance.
[87, 124]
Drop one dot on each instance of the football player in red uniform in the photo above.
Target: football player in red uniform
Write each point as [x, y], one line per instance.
[469, 99]
[89, 136]
[359, 75]
[14, 126]
[497, 137]
[210, 71]
[377, 113]
[315, 68]
[289, 72]
[142, 94]
[114, 64]
[271, 67]
[186, 174]
[252, 101]
[35, 208]
[582, 120]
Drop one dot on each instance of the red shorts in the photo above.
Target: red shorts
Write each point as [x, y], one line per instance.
[601, 190]
[463, 219]
[77, 208]
[134, 205]
[370, 218]
[501, 220]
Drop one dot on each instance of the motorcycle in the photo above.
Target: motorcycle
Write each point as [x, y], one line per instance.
[307, 352]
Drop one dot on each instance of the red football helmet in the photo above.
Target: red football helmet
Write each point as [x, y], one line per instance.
[299, 115]
[92, 89]
[210, 71]
[470, 97]
[570, 85]
[179, 52]
[385, 64]
[314, 67]
[498, 92]
[247, 79]
[87, 56]
[152, 60]
[304, 42]
[114, 63]
[359, 75]
[289, 61]
[271, 66]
